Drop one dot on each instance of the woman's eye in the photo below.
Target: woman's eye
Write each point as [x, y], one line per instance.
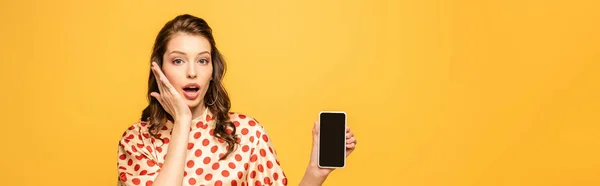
[203, 61]
[177, 61]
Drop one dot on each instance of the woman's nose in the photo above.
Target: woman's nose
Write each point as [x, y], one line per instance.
[191, 73]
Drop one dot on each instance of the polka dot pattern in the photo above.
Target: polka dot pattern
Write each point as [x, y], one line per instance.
[254, 162]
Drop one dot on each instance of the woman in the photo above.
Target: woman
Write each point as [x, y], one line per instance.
[187, 135]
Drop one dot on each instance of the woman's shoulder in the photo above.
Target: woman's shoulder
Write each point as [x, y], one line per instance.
[136, 141]
[136, 128]
[135, 132]
[244, 120]
[249, 128]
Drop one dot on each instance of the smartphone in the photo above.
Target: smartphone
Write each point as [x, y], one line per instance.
[332, 139]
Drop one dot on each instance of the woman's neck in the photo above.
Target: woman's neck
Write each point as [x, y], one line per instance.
[198, 110]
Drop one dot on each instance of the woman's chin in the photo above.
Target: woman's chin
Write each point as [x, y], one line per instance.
[193, 103]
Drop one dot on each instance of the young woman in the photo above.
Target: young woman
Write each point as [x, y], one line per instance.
[187, 135]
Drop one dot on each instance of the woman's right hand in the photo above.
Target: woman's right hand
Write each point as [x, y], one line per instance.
[168, 97]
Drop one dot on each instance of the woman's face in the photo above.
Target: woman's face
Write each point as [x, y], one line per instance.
[188, 66]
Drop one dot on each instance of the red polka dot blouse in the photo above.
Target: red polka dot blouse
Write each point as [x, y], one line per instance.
[253, 162]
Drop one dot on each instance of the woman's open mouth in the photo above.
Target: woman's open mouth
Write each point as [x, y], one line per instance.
[191, 91]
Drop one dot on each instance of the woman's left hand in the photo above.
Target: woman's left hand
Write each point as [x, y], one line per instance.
[313, 169]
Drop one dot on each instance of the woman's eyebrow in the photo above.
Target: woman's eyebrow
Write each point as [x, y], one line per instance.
[183, 53]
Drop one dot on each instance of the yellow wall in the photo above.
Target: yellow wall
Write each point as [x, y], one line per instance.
[439, 93]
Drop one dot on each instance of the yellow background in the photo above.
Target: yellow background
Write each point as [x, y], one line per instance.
[438, 92]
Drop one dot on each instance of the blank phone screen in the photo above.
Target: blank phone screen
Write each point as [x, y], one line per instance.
[332, 139]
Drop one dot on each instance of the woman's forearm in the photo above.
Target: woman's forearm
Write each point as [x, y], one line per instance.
[171, 173]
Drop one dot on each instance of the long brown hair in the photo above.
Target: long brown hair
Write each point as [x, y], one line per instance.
[216, 98]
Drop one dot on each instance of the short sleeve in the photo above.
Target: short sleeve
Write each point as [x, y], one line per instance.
[135, 165]
[264, 167]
